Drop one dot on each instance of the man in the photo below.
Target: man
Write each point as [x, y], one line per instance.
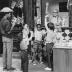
[5, 28]
[56, 19]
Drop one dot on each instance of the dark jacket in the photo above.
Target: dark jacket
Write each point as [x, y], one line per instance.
[5, 26]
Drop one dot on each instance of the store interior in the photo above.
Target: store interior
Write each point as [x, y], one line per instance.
[40, 9]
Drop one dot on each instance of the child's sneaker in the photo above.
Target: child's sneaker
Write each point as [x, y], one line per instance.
[41, 62]
[30, 61]
[48, 68]
[34, 63]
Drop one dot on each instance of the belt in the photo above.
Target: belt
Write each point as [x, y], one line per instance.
[49, 42]
[23, 38]
[24, 50]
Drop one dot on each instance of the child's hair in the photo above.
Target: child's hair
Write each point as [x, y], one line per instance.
[51, 26]
[43, 28]
[38, 25]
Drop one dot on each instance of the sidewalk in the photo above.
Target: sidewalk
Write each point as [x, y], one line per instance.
[16, 63]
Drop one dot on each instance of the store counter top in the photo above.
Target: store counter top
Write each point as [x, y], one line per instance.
[66, 45]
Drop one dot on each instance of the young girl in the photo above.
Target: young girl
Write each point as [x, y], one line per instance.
[24, 46]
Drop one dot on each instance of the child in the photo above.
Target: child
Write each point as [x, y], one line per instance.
[37, 44]
[24, 46]
[50, 40]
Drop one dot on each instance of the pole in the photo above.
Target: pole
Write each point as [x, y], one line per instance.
[43, 7]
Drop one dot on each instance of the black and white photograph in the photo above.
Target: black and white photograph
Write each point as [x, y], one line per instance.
[35, 35]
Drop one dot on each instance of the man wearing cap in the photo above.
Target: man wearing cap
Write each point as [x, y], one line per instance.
[56, 19]
[7, 38]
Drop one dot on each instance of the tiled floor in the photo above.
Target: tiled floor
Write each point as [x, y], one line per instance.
[16, 64]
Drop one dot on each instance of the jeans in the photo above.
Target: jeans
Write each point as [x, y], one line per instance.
[49, 50]
[24, 60]
[7, 52]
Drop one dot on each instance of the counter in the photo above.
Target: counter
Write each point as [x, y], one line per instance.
[62, 59]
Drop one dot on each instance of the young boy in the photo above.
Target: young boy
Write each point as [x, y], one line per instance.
[50, 40]
[37, 44]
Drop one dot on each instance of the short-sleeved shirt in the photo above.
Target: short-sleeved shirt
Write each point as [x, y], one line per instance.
[50, 36]
[38, 35]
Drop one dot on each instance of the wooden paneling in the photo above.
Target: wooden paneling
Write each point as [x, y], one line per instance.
[62, 59]
[59, 60]
[70, 61]
[70, 16]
